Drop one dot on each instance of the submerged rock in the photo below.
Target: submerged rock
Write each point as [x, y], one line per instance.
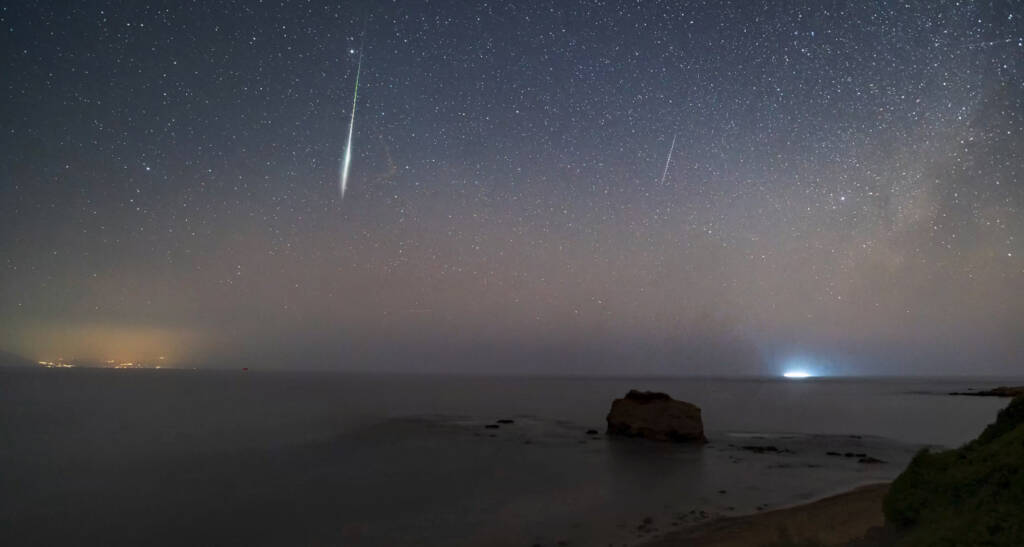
[765, 449]
[655, 416]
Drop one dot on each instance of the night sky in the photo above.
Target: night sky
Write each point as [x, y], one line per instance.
[845, 190]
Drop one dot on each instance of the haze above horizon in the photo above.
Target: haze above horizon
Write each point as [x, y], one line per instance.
[653, 188]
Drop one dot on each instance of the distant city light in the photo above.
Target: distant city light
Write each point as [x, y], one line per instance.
[796, 374]
[56, 364]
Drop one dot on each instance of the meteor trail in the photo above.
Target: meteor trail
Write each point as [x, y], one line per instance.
[343, 172]
[993, 43]
[669, 159]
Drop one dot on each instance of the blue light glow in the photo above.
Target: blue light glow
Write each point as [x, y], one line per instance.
[798, 368]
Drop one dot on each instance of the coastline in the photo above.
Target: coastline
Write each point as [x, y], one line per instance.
[235, 472]
[834, 520]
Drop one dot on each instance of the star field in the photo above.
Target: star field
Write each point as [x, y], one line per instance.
[846, 184]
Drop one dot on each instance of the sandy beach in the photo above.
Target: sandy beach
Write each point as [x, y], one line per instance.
[836, 520]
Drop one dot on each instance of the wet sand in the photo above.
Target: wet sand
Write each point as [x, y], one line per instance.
[836, 520]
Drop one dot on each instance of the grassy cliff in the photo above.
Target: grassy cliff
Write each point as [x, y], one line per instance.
[973, 495]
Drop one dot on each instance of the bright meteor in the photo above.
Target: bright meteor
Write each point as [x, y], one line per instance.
[343, 171]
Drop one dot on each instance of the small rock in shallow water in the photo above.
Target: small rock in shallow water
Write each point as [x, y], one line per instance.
[506, 421]
[592, 432]
[764, 449]
[492, 426]
[869, 459]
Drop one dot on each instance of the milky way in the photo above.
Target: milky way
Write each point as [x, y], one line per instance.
[846, 186]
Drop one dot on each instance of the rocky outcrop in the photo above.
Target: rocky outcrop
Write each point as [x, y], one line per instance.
[1001, 391]
[971, 495]
[655, 416]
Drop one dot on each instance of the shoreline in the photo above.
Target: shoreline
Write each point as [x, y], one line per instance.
[833, 520]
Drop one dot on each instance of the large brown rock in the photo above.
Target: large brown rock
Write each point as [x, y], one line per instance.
[655, 416]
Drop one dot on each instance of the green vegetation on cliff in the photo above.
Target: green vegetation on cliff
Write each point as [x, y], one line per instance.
[973, 495]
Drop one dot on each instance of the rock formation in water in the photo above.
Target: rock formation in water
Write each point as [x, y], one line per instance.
[1001, 391]
[655, 416]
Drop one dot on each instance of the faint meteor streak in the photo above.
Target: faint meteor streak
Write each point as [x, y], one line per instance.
[993, 43]
[343, 171]
[669, 159]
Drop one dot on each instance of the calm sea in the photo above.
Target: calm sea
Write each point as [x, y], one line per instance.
[286, 458]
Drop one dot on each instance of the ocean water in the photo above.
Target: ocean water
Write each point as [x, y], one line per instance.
[167, 457]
